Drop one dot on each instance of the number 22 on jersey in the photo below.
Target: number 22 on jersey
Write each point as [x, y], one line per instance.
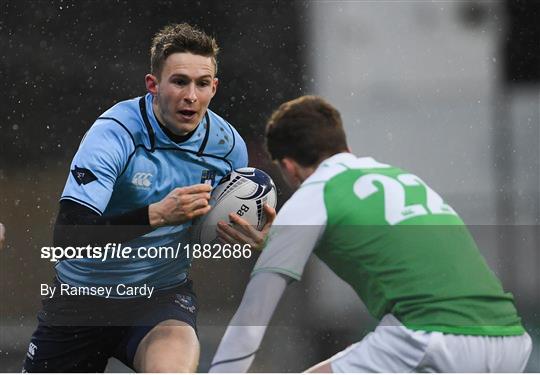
[395, 209]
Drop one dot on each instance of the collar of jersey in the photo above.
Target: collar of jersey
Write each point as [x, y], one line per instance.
[163, 140]
[344, 159]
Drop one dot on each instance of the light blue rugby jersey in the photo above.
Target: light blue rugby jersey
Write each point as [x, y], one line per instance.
[125, 161]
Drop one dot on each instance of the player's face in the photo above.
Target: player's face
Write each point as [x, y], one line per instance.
[183, 91]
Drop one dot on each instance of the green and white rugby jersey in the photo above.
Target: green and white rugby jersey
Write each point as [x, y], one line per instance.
[396, 242]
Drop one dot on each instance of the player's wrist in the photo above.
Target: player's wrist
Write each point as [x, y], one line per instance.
[155, 217]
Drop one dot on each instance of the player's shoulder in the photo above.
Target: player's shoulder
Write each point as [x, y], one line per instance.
[342, 163]
[123, 121]
[220, 126]
[224, 140]
[304, 207]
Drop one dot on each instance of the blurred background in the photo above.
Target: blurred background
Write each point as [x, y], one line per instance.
[448, 90]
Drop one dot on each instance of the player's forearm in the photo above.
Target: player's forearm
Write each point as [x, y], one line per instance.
[180, 206]
[77, 225]
[238, 357]
[156, 218]
[243, 337]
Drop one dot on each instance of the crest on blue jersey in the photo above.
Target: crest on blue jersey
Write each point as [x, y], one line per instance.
[83, 176]
[185, 302]
[208, 177]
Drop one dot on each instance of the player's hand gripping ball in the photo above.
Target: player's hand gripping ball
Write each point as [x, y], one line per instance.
[244, 192]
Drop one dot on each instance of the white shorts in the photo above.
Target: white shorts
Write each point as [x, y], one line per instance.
[394, 348]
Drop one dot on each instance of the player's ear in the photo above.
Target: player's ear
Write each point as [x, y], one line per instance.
[215, 83]
[151, 82]
[290, 171]
[287, 165]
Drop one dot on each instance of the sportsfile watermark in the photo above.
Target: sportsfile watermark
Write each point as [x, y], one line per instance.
[222, 282]
[118, 251]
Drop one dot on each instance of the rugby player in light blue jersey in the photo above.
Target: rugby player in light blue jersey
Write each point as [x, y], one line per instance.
[148, 165]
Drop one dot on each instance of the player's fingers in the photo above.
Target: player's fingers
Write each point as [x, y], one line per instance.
[190, 198]
[270, 213]
[234, 232]
[258, 241]
[225, 239]
[195, 205]
[200, 211]
[250, 234]
[193, 189]
[256, 237]
[244, 226]
[224, 236]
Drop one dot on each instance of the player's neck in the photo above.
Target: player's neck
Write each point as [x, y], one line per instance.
[295, 173]
[304, 172]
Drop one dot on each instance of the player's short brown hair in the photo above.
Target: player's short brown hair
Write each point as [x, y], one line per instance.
[307, 129]
[180, 37]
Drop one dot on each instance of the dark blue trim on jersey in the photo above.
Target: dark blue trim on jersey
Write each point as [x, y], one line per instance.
[142, 108]
[200, 152]
[150, 129]
[229, 163]
[233, 359]
[82, 202]
[206, 135]
[197, 153]
[129, 159]
[135, 145]
[122, 125]
[233, 139]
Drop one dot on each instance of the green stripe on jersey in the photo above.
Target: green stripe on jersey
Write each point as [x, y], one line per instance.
[406, 252]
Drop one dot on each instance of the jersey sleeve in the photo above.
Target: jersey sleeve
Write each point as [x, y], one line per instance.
[100, 159]
[246, 329]
[295, 233]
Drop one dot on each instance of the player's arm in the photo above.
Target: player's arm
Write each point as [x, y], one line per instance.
[246, 329]
[100, 159]
[78, 225]
[284, 258]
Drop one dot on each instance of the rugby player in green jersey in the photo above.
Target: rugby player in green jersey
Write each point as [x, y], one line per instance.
[385, 232]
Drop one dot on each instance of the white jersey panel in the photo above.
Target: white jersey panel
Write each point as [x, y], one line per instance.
[302, 220]
[295, 232]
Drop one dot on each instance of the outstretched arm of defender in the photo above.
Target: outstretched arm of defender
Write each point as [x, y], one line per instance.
[246, 329]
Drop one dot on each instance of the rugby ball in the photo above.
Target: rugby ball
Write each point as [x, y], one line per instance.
[244, 192]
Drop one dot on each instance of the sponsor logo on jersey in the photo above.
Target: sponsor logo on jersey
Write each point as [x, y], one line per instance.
[83, 176]
[185, 302]
[208, 177]
[142, 180]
